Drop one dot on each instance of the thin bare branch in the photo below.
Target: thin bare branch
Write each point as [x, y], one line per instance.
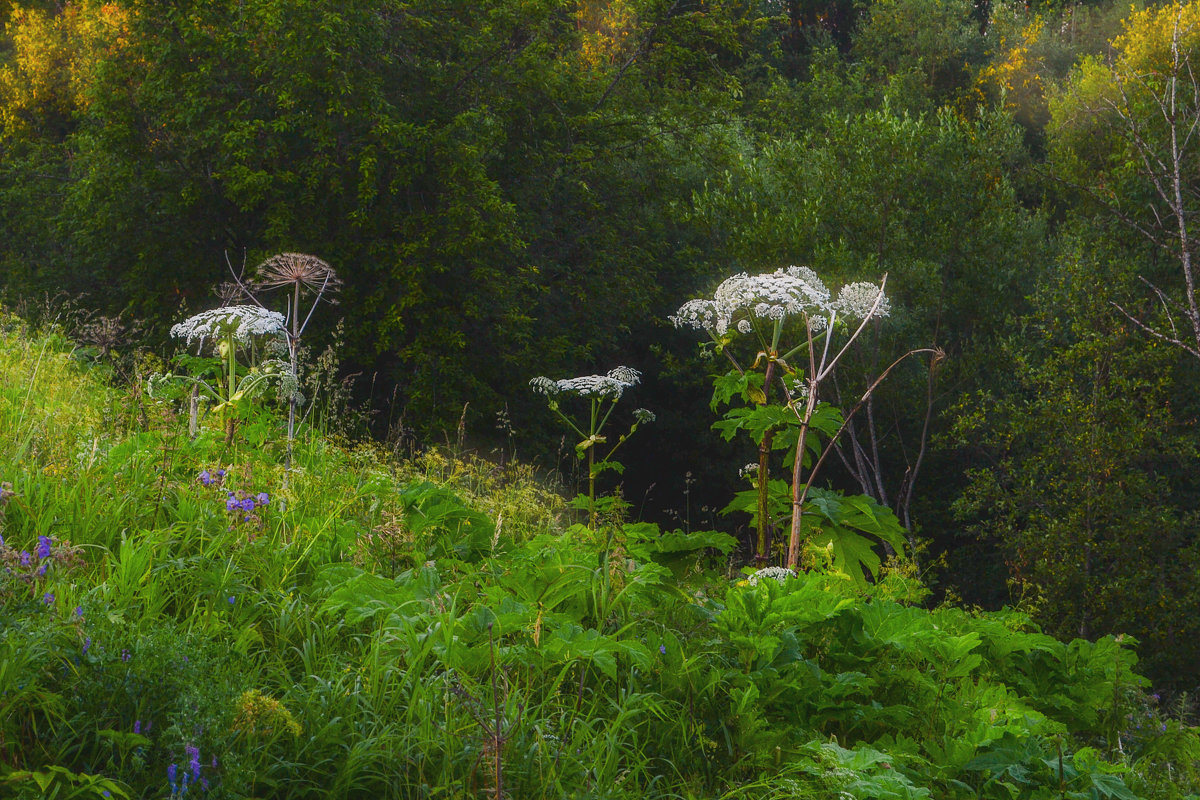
[237, 278]
[798, 501]
[1156, 334]
[1166, 303]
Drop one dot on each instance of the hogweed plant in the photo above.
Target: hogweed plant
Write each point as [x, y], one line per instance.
[602, 393]
[793, 320]
[228, 330]
[298, 273]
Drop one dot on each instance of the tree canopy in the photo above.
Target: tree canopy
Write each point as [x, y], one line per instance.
[513, 188]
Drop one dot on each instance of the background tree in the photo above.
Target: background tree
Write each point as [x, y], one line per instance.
[1124, 134]
[1079, 473]
[519, 187]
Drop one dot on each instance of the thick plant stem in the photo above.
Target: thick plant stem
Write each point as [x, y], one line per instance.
[193, 412]
[800, 490]
[231, 386]
[592, 515]
[762, 554]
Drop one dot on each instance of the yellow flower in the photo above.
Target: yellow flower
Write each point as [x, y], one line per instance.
[262, 715]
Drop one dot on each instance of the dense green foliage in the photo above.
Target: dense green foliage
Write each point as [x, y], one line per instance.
[511, 188]
[435, 628]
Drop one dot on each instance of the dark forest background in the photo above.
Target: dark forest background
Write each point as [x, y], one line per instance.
[512, 188]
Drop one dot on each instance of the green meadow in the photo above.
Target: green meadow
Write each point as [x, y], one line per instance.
[179, 616]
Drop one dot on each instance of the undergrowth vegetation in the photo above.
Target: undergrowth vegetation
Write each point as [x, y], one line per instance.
[177, 619]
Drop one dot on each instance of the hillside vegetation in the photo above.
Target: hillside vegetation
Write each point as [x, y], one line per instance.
[179, 617]
[509, 189]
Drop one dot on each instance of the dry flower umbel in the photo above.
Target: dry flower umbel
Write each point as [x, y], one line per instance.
[296, 269]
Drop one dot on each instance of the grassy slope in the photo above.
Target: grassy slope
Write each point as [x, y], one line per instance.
[433, 629]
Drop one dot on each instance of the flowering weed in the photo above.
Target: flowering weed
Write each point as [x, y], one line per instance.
[790, 319]
[434, 628]
[601, 393]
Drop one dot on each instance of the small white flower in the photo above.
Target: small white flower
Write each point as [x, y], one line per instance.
[626, 375]
[811, 285]
[780, 574]
[858, 299]
[699, 314]
[612, 385]
[798, 387]
[744, 326]
[750, 470]
[244, 323]
[592, 386]
[644, 415]
[543, 385]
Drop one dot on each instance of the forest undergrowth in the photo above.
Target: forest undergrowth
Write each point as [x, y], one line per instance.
[180, 616]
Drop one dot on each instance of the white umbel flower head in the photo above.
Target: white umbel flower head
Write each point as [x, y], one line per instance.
[858, 300]
[773, 295]
[612, 385]
[543, 385]
[644, 415]
[626, 375]
[698, 314]
[243, 323]
[779, 574]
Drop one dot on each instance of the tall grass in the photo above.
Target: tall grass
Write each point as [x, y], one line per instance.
[433, 628]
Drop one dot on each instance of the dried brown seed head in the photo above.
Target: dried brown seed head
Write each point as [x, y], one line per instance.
[296, 269]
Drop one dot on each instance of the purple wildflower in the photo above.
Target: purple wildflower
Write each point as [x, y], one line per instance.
[79, 612]
[248, 504]
[232, 503]
[232, 599]
[125, 654]
[205, 478]
[172, 771]
[87, 644]
[25, 557]
[48, 598]
[662, 648]
[220, 473]
[263, 498]
[193, 753]
[137, 726]
[41, 570]
[43, 547]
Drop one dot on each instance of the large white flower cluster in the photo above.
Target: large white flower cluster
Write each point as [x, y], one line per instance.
[775, 295]
[612, 385]
[244, 323]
